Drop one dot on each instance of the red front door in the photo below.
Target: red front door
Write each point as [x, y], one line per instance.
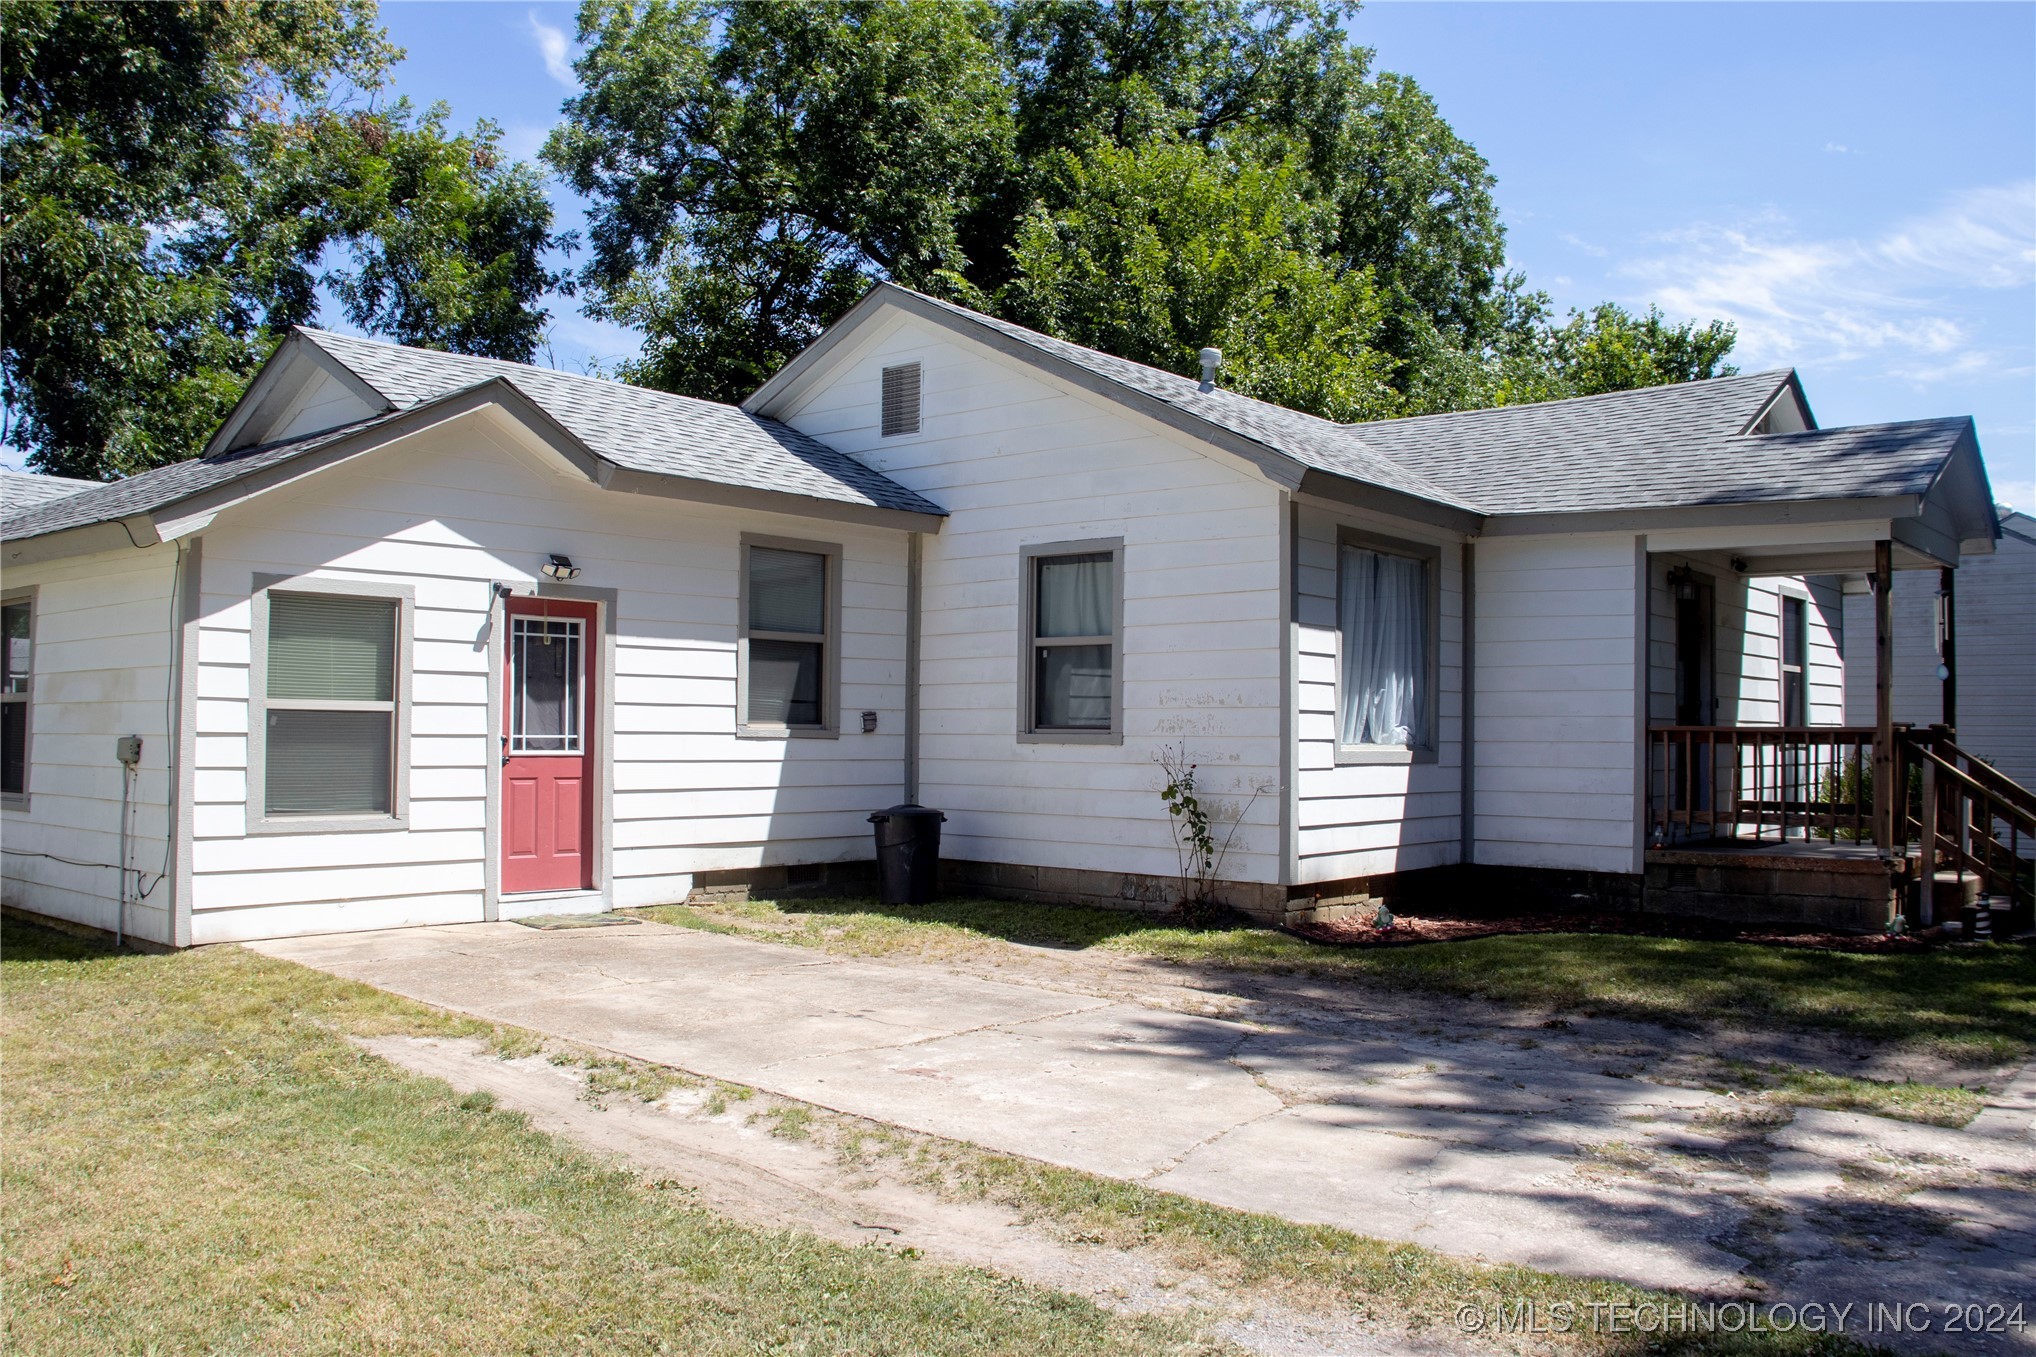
[548, 747]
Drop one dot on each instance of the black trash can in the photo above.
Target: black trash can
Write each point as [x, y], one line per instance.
[908, 854]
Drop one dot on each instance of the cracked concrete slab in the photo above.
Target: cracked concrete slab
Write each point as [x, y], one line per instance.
[1117, 1091]
[1326, 1164]
[1475, 1140]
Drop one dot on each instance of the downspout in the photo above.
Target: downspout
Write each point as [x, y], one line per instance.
[915, 551]
[1290, 698]
[1466, 794]
[126, 804]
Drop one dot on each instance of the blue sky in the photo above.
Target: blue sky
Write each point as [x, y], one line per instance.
[1854, 185]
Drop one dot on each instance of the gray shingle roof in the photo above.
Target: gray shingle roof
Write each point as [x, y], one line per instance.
[1313, 442]
[1661, 447]
[636, 428]
[165, 486]
[1658, 447]
[21, 489]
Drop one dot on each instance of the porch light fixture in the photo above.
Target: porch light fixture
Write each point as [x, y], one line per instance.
[559, 568]
[1683, 581]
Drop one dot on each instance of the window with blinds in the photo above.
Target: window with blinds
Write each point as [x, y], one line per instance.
[330, 717]
[901, 399]
[787, 638]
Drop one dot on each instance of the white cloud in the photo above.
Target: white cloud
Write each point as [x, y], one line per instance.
[1904, 297]
[1575, 241]
[553, 46]
[1837, 148]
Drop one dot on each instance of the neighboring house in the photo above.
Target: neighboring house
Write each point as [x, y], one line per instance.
[1994, 644]
[940, 558]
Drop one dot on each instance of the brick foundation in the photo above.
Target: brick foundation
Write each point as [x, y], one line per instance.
[1852, 895]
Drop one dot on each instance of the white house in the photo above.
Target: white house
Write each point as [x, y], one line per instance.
[424, 638]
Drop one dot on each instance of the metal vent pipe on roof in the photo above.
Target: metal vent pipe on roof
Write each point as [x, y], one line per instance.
[1212, 359]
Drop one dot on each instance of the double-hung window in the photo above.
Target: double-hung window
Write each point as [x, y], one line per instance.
[329, 744]
[1386, 612]
[1073, 611]
[17, 671]
[789, 640]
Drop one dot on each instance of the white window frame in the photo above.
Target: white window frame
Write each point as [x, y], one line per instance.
[1029, 641]
[580, 629]
[259, 821]
[1393, 753]
[19, 800]
[829, 726]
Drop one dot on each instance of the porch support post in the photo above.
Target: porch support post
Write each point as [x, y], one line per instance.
[1884, 792]
[1926, 884]
[1945, 580]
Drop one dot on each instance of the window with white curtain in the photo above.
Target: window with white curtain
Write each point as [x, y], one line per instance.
[788, 641]
[329, 709]
[1385, 606]
[1073, 607]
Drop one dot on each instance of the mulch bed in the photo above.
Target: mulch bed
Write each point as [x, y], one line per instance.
[1447, 926]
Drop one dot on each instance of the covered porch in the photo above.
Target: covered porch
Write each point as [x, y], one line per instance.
[1760, 802]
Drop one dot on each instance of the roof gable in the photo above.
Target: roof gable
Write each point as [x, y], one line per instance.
[625, 438]
[637, 429]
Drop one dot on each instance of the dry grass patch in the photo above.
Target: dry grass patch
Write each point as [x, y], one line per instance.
[199, 1160]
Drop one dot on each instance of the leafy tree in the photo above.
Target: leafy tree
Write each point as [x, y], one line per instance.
[754, 166]
[1162, 251]
[178, 180]
[1110, 170]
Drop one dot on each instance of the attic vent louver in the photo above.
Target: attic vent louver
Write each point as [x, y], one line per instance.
[901, 399]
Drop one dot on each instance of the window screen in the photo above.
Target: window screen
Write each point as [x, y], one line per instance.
[330, 722]
[547, 678]
[1074, 644]
[786, 647]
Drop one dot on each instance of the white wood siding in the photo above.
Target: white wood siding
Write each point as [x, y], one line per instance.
[104, 634]
[1557, 642]
[1996, 601]
[1017, 460]
[450, 513]
[1368, 819]
[323, 403]
[1746, 645]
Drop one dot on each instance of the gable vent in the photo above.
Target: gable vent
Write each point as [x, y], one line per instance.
[901, 399]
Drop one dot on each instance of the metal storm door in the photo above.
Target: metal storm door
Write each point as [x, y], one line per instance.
[548, 747]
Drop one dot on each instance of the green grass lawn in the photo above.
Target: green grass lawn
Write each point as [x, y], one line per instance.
[1973, 1005]
[198, 1161]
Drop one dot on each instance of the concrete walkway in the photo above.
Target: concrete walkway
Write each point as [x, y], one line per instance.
[1507, 1150]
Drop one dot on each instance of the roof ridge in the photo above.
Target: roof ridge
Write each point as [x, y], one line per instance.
[1925, 422]
[512, 366]
[1626, 393]
[1186, 386]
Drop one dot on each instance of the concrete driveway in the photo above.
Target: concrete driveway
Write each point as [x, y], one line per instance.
[1496, 1148]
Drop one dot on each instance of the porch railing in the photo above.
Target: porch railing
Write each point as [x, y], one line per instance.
[1965, 816]
[1757, 783]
